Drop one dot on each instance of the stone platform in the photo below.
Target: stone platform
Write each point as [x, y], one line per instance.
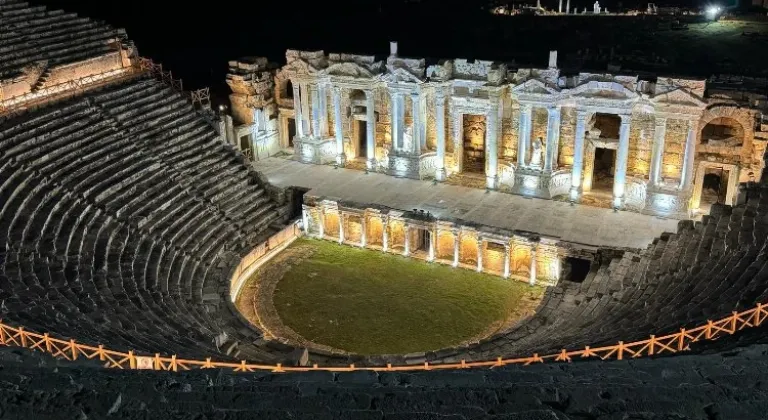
[577, 224]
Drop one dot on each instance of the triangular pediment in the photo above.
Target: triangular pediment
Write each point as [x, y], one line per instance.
[679, 97]
[534, 86]
[349, 69]
[604, 90]
[299, 66]
[399, 74]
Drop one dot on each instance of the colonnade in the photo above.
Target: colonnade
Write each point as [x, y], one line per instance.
[432, 230]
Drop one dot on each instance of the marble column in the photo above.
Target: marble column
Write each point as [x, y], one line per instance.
[532, 278]
[456, 247]
[686, 178]
[479, 254]
[657, 151]
[395, 121]
[578, 154]
[567, 7]
[370, 131]
[364, 231]
[440, 173]
[341, 228]
[492, 125]
[553, 138]
[506, 260]
[385, 234]
[321, 231]
[305, 115]
[524, 135]
[407, 248]
[305, 220]
[458, 139]
[297, 118]
[323, 93]
[622, 153]
[315, 109]
[431, 245]
[341, 157]
[418, 121]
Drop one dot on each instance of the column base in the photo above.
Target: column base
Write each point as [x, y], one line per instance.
[370, 164]
[617, 202]
[491, 182]
[440, 174]
[341, 160]
[574, 194]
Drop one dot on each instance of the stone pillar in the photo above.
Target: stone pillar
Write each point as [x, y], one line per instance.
[305, 115]
[479, 254]
[321, 231]
[341, 228]
[524, 135]
[553, 138]
[370, 131]
[297, 118]
[417, 123]
[532, 278]
[396, 122]
[385, 234]
[560, 7]
[432, 238]
[458, 139]
[622, 153]
[305, 220]
[440, 173]
[578, 154]
[567, 7]
[315, 109]
[506, 260]
[323, 93]
[492, 134]
[686, 178]
[341, 157]
[456, 245]
[407, 250]
[657, 151]
[364, 233]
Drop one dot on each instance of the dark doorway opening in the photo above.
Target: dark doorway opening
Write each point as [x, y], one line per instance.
[605, 165]
[714, 188]
[474, 143]
[362, 140]
[291, 131]
[420, 240]
[576, 269]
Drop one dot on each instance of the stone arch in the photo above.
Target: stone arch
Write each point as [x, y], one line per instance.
[723, 129]
[725, 113]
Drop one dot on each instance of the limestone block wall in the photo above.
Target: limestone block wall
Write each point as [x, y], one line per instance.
[539, 117]
[353, 229]
[383, 132]
[468, 249]
[375, 231]
[567, 136]
[493, 258]
[332, 224]
[444, 245]
[101, 64]
[396, 234]
[520, 264]
[640, 144]
[674, 148]
[510, 127]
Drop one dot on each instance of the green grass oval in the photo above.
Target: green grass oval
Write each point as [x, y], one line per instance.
[369, 302]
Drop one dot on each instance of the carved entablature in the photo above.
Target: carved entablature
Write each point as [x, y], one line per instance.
[489, 71]
[535, 90]
[679, 101]
[548, 76]
[405, 69]
[441, 72]
[303, 63]
[356, 66]
[666, 84]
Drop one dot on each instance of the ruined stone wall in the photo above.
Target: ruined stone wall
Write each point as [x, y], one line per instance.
[640, 144]
[468, 249]
[383, 133]
[674, 148]
[567, 136]
[520, 264]
[510, 127]
[444, 245]
[101, 64]
[493, 259]
[474, 131]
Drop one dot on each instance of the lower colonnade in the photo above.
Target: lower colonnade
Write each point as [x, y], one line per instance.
[524, 256]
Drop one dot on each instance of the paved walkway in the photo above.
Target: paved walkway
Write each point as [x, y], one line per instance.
[581, 224]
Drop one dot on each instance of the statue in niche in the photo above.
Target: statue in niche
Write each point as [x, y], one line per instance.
[537, 152]
[408, 139]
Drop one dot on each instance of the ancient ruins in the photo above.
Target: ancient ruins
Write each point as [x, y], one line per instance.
[658, 145]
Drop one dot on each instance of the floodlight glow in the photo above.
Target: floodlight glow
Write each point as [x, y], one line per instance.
[712, 11]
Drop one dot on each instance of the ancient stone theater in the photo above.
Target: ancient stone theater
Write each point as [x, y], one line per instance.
[634, 143]
[630, 213]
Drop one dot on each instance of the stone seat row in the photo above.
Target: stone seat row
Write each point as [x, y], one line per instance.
[99, 224]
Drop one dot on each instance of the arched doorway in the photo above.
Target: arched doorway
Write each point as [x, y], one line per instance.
[723, 131]
[602, 143]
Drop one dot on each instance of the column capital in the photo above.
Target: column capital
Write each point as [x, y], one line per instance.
[368, 93]
[625, 118]
[336, 89]
[526, 108]
[693, 124]
[440, 95]
[660, 121]
[581, 115]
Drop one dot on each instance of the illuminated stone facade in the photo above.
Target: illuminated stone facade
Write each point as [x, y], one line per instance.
[413, 234]
[625, 142]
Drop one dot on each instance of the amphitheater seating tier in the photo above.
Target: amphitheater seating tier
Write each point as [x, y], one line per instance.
[122, 217]
[33, 34]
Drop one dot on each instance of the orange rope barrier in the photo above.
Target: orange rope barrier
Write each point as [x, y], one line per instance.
[671, 343]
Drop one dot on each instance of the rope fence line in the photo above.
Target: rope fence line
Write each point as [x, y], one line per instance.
[671, 343]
